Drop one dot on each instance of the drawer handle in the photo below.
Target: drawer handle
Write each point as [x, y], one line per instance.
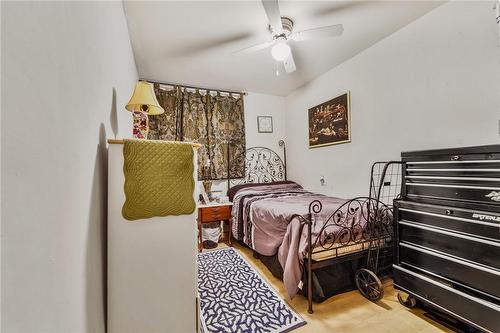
[455, 158]
[449, 212]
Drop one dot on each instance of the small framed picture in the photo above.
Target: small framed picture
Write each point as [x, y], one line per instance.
[265, 124]
[206, 199]
[201, 200]
[203, 197]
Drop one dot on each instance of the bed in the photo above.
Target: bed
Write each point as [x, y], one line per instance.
[314, 243]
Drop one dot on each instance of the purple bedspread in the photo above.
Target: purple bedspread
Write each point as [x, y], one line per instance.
[263, 220]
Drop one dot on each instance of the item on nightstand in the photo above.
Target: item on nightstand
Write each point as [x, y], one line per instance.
[223, 199]
[207, 186]
[143, 103]
[214, 196]
[204, 198]
[201, 200]
[205, 174]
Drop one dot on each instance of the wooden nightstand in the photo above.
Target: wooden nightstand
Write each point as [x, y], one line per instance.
[214, 213]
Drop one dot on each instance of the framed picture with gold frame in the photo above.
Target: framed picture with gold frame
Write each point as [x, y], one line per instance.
[330, 122]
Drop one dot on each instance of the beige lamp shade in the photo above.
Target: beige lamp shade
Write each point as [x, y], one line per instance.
[144, 99]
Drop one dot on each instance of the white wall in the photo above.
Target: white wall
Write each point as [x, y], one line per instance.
[264, 105]
[67, 72]
[261, 105]
[435, 83]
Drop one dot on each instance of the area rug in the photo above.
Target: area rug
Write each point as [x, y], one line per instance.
[235, 298]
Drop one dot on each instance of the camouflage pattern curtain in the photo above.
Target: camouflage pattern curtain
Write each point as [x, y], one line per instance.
[212, 120]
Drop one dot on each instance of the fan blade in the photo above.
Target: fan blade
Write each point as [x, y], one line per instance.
[273, 14]
[255, 48]
[344, 7]
[208, 45]
[289, 64]
[316, 33]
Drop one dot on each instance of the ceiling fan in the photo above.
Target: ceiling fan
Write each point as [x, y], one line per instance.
[281, 29]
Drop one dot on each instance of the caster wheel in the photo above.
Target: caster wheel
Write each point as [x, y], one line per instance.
[408, 301]
[369, 285]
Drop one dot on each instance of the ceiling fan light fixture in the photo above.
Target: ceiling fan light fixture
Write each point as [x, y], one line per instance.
[280, 51]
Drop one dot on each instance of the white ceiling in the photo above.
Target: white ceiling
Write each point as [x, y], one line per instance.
[192, 42]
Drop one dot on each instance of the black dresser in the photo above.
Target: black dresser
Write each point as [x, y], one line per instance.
[448, 232]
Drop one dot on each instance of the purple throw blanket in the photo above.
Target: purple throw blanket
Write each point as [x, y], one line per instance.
[263, 220]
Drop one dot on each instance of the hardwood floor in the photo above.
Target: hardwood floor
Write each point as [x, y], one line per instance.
[351, 312]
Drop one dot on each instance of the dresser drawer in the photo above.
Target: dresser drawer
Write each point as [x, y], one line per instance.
[482, 223]
[478, 312]
[471, 174]
[454, 269]
[483, 168]
[477, 250]
[216, 213]
[453, 155]
[487, 194]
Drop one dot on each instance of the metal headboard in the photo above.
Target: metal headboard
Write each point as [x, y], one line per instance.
[262, 165]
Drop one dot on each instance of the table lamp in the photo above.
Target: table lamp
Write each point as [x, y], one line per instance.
[143, 103]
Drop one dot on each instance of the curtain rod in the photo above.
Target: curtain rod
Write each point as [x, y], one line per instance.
[244, 93]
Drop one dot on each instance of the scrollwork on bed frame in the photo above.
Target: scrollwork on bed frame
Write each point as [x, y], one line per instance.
[345, 228]
[262, 165]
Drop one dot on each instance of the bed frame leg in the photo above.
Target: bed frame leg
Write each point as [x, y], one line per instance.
[255, 255]
[309, 265]
[309, 287]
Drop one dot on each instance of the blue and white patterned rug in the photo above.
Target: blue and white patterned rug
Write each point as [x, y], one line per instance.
[235, 298]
